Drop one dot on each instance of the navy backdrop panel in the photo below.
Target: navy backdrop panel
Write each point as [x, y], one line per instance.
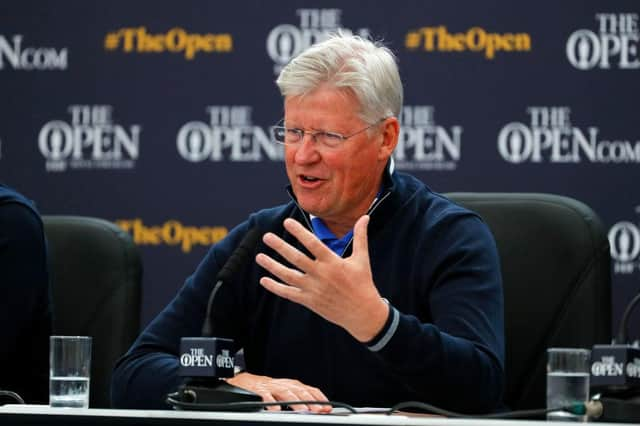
[156, 114]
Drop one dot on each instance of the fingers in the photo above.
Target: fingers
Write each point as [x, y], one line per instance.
[288, 275]
[275, 390]
[294, 390]
[293, 255]
[275, 394]
[288, 292]
[286, 250]
[317, 395]
[360, 238]
[267, 397]
[306, 237]
[294, 393]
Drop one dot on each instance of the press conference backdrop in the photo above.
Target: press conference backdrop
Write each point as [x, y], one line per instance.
[155, 114]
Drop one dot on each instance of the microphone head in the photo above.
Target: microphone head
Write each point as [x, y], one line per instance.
[615, 369]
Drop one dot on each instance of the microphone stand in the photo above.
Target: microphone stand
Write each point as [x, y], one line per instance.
[211, 392]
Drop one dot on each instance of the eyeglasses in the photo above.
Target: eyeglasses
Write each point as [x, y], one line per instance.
[292, 136]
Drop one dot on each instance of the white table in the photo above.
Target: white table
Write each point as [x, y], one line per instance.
[45, 415]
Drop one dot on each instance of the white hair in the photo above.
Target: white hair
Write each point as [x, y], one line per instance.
[350, 62]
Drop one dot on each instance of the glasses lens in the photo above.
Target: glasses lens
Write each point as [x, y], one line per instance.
[329, 139]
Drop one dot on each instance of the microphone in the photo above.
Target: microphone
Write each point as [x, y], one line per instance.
[615, 375]
[234, 264]
[205, 360]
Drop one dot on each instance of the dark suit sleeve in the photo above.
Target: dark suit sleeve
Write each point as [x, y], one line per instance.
[24, 304]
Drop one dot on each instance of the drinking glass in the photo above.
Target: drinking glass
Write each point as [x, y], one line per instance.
[567, 381]
[69, 368]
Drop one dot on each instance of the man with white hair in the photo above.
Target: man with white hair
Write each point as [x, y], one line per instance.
[367, 288]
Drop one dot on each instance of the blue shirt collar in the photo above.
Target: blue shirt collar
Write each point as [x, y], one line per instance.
[324, 234]
[337, 245]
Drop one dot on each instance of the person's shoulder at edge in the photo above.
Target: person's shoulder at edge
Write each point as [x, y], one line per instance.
[20, 215]
[8, 195]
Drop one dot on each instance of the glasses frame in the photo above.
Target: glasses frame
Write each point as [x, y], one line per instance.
[340, 138]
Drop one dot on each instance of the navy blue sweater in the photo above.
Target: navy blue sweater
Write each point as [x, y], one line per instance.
[434, 261]
[25, 313]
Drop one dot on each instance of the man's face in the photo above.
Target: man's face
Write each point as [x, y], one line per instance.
[336, 184]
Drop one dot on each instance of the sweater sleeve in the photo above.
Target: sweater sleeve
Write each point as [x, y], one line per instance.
[456, 359]
[144, 376]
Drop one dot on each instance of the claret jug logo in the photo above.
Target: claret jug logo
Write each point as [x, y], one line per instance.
[229, 135]
[476, 39]
[287, 40]
[91, 140]
[614, 44]
[624, 240]
[15, 55]
[422, 144]
[550, 137]
[176, 40]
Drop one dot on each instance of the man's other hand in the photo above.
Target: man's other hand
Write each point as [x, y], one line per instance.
[273, 390]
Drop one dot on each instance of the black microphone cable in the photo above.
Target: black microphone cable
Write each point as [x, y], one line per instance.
[590, 409]
[579, 409]
[12, 395]
[248, 406]
[621, 338]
